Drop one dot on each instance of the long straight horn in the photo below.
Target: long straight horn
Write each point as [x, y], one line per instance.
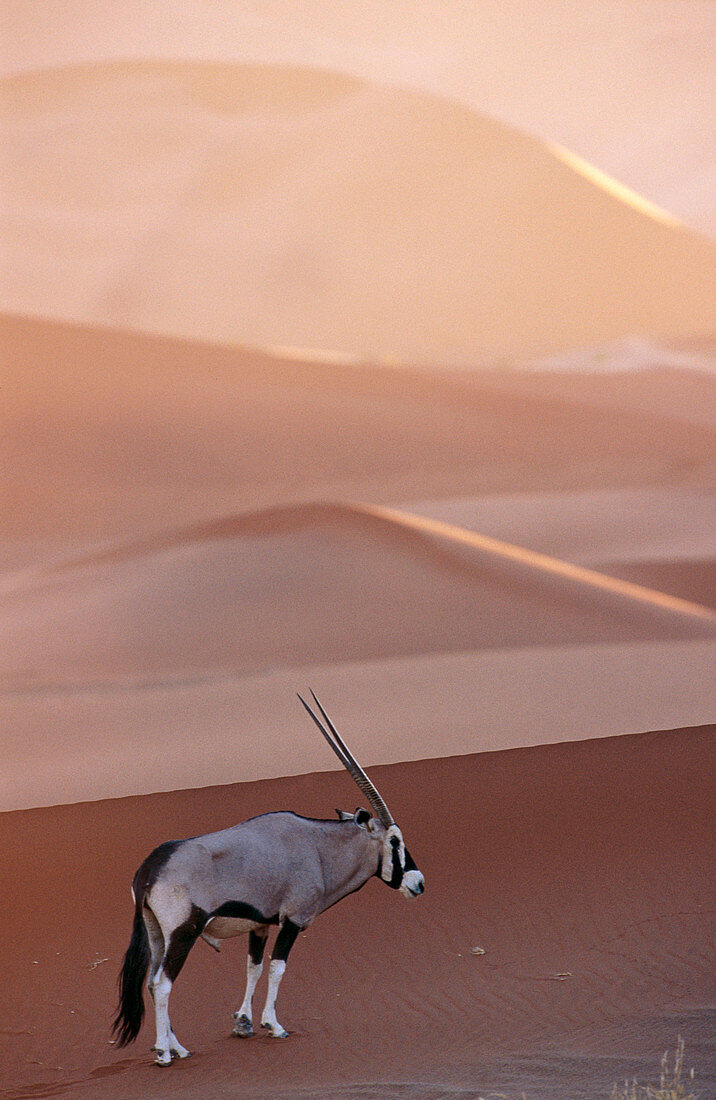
[350, 763]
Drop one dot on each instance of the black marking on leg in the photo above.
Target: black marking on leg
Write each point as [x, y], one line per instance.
[285, 940]
[257, 945]
[181, 942]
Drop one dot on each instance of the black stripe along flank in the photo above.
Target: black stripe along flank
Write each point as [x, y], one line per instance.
[241, 910]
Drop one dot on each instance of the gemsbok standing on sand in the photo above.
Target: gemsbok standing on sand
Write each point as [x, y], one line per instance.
[279, 868]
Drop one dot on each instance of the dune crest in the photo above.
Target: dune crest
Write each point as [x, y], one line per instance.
[319, 583]
[284, 206]
[139, 433]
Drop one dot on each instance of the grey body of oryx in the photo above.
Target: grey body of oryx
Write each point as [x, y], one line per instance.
[276, 869]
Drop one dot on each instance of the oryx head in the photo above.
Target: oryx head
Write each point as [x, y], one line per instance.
[396, 866]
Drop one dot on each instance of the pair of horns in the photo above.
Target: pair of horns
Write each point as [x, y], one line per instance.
[349, 762]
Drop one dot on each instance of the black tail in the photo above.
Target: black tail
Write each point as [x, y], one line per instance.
[130, 1011]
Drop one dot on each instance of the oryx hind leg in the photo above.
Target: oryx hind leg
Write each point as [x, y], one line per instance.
[254, 965]
[179, 943]
[157, 946]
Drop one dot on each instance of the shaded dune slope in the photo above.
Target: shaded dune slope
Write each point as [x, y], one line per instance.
[110, 434]
[382, 991]
[285, 205]
[694, 579]
[310, 585]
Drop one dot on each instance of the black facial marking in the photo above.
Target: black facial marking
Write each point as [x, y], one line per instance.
[243, 911]
[397, 876]
[362, 817]
[285, 940]
[410, 864]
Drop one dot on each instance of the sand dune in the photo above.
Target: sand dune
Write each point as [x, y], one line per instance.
[662, 538]
[285, 205]
[186, 650]
[623, 94]
[168, 656]
[70, 743]
[310, 586]
[136, 434]
[674, 524]
[586, 862]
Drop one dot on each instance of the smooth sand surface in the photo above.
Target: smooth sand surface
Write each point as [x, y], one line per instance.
[288, 205]
[581, 870]
[137, 433]
[623, 94]
[170, 579]
[662, 538]
[94, 741]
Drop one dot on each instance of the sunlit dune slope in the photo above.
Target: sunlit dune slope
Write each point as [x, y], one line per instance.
[662, 538]
[306, 586]
[110, 435]
[284, 205]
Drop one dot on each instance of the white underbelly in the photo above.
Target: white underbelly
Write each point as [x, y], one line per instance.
[222, 928]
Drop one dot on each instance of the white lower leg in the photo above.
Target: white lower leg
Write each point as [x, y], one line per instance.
[243, 1015]
[175, 1046]
[161, 989]
[268, 1018]
[167, 1043]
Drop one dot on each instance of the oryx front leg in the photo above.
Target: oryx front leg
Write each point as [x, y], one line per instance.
[284, 942]
[254, 965]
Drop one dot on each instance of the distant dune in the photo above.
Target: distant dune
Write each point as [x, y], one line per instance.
[177, 479]
[284, 205]
[301, 587]
[623, 94]
[173, 661]
[110, 435]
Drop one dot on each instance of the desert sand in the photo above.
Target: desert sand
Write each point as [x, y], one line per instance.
[581, 871]
[332, 359]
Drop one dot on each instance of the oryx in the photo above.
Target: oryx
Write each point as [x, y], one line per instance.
[279, 868]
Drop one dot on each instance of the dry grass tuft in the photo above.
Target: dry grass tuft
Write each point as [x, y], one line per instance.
[671, 1085]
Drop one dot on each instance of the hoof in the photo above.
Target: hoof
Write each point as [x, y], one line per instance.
[280, 1034]
[242, 1027]
[163, 1058]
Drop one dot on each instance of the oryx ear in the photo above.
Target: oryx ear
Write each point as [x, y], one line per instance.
[343, 815]
[362, 818]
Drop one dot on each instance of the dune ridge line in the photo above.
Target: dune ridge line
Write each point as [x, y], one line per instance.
[280, 518]
[540, 561]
